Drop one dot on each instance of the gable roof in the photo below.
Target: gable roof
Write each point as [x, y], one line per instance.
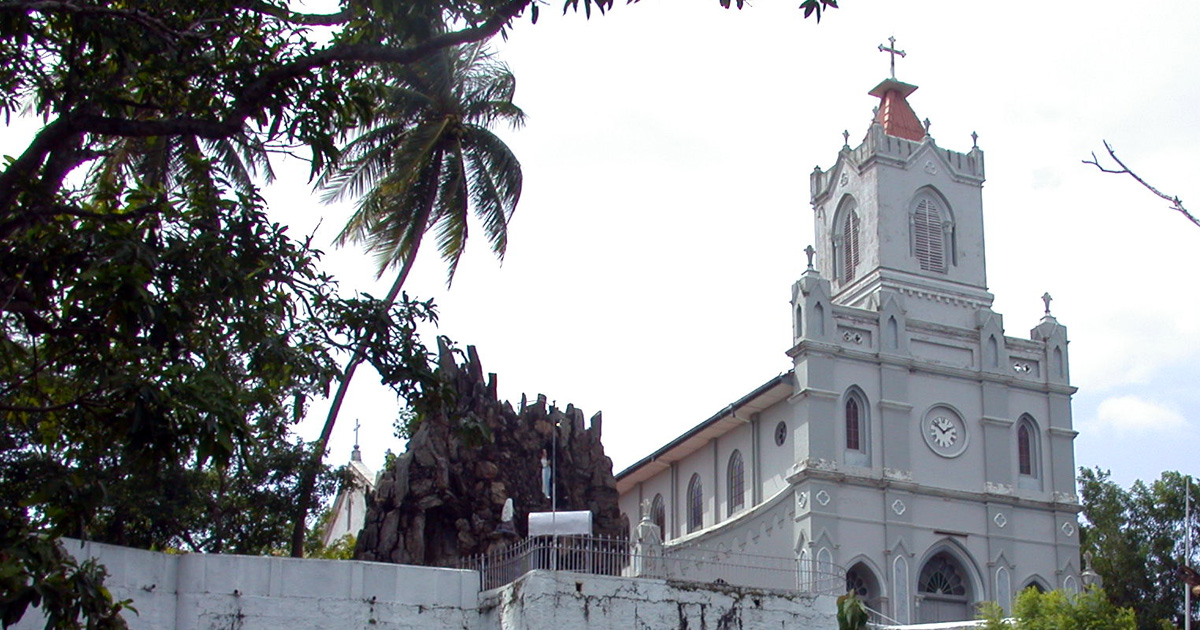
[724, 421]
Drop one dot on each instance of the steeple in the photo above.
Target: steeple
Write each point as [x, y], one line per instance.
[894, 114]
[898, 215]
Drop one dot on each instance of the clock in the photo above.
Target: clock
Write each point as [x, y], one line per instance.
[944, 432]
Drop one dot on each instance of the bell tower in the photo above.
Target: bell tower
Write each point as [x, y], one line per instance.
[898, 214]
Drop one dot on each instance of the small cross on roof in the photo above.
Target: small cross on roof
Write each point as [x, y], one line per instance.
[891, 48]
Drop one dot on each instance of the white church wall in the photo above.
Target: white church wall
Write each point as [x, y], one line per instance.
[774, 459]
[349, 512]
[738, 440]
[699, 463]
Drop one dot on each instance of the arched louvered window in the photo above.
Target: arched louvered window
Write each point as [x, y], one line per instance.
[736, 483]
[929, 236]
[853, 433]
[695, 504]
[658, 515]
[850, 250]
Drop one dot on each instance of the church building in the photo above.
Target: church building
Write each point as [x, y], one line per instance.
[913, 444]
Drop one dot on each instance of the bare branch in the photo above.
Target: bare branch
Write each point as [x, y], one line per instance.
[1176, 203]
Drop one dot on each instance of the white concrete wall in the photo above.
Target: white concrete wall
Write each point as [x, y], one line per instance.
[198, 591]
[545, 600]
[193, 591]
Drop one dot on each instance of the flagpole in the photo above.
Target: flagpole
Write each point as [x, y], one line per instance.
[1187, 553]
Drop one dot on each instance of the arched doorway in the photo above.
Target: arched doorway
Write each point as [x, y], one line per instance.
[861, 581]
[944, 590]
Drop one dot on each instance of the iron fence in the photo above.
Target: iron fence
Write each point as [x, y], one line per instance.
[618, 557]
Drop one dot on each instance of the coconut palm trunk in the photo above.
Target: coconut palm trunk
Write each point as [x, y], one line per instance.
[428, 163]
[309, 480]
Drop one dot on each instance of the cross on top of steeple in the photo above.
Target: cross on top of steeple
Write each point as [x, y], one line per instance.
[893, 51]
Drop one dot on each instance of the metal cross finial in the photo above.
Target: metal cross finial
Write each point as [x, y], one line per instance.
[974, 140]
[809, 251]
[927, 123]
[356, 427]
[846, 137]
[891, 48]
[1046, 300]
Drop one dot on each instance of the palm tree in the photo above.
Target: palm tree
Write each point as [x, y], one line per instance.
[428, 160]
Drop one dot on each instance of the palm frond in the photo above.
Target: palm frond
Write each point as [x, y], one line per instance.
[451, 219]
[427, 160]
[496, 182]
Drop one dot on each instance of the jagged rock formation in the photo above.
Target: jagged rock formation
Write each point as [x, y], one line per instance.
[442, 499]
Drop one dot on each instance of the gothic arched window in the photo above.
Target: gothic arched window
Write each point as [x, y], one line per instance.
[847, 252]
[1028, 454]
[736, 488]
[853, 432]
[1024, 457]
[851, 254]
[658, 515]
[930, 234]
[861, 581]
[942, 577]
[856, 425]
[695, 504]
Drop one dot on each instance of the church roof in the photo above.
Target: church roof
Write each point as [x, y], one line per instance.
[894, 113]
[726, 420]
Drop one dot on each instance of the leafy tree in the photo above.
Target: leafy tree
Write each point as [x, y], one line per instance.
[159, 332]
[1137, 539]
[1057, 610]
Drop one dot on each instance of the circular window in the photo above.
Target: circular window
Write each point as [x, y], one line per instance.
[780, 433]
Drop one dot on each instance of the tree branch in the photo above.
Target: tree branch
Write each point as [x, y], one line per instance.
[23, 168]
[1176, 203]
[65, 6]
[306, 19]
[252, 98]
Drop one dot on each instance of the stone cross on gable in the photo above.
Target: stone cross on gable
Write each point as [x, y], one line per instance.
[1046, 300]
[891, 48]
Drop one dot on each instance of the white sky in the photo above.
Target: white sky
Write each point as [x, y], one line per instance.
[665, 208]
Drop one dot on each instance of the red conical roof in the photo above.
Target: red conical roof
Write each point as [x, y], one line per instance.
[895, 114]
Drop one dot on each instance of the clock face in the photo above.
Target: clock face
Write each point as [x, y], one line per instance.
[944, 432]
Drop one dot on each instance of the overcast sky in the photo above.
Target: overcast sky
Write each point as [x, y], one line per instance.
[665, 207]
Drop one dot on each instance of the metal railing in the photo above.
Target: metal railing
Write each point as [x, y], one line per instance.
[880, 620]
[618, 557]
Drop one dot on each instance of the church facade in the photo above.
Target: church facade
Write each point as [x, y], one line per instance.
[914, 443]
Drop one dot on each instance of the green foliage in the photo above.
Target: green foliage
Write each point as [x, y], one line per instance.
[161, 336]
[851, 612]
[1057, 610]
[431, 158]
[1136, 537]
[35, 570]
[340, 549]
